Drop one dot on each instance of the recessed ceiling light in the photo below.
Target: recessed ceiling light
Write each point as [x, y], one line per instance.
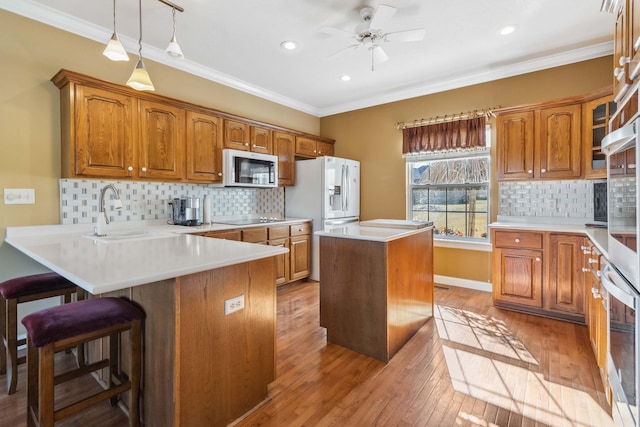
[507, 29]
[288, 45]
[345, 78]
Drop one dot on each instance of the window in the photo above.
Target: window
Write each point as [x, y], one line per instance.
[453, 192]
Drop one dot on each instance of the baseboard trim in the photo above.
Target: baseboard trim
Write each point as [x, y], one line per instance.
[462, 283]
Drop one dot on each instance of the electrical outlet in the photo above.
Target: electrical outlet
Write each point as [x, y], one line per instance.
[233, 304]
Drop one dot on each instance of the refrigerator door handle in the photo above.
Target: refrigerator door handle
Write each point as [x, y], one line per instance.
[344, 189]
[347, 186]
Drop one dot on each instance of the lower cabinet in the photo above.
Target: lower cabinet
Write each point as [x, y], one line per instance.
[290, 267]
[539, 272]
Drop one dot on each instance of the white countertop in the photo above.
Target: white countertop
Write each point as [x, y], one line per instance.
[99, 266]
[598, 236]
[361, 232]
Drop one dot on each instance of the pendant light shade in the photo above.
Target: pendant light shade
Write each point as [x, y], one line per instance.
[173, 49]
[114, 50]
[140, 79]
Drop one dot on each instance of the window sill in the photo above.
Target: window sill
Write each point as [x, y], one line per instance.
[459, 244]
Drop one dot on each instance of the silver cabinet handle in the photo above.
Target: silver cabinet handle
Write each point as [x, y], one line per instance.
[543, 170]
[585, 270]
[537, 259]
[530, 171]
[130, 168]
[144, 169]
[517, 240]
[592, 261]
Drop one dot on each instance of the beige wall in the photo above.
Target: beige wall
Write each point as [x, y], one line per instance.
[30, 114]
[369, 135]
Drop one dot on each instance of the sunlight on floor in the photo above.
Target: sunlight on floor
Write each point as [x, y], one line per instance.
[480, 332]
[496, 367]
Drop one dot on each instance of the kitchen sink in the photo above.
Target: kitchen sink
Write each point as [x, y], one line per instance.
[123, 235]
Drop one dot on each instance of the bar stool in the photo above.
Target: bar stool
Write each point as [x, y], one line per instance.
[62, 327]
[23, 289]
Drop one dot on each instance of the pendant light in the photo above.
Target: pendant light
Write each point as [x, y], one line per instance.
[114, 50]
[140, 79]
[173, 49]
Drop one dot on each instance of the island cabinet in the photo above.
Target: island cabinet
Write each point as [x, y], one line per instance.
[204, 367]
[538, 272]
[376, 292]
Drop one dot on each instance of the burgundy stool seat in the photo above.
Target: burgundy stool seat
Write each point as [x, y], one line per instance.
[19, 290]
[62, 327]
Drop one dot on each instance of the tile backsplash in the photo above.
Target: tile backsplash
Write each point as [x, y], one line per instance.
[150, 200]
[560, 199]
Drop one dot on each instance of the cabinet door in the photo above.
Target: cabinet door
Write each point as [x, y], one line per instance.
[284, 148]
[565, 290]
[517, 277]
[261, 140]
[162, 141]
[633, 18]
[226, 234]
[103, 134]
[236, 135]
[595, 121]
[282, 261]
[325, 149]
[204, 147]
[306, 147]
[560, 146]
[515, 146]
[300, 251]
[621, 52]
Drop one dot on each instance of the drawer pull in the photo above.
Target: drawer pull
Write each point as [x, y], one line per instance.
[586, 252]
[585, 270]
[517, 240]
[592, 261]
[537, 259]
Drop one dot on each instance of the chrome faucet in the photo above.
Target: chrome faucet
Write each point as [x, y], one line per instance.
[103, 219]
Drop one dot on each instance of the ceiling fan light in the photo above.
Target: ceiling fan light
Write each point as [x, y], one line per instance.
[140, 79]
[173, 49]
[114, 50]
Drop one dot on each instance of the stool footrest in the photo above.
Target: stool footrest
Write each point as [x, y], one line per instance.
[82, 370]
[74, 408]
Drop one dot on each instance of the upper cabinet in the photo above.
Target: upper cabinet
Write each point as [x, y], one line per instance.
[595, 121]
[543, 143]
[204, 147]
[112, 131]
[554, 140]
[308, 147]
[622, 46]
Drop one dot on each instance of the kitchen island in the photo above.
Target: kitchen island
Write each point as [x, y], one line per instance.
[210, 304]
[377, 286]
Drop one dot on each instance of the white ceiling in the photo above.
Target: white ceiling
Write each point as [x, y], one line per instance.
[237, 43]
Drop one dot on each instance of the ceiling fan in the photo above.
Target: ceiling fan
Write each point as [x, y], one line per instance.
[369, 33]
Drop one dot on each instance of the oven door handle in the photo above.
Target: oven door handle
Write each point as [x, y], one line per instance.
[619, 139]
[614, 284]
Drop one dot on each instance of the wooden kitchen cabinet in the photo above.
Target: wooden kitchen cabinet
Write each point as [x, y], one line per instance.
[282, 261]
[162, 141]
[260, 140]
[236, 135]
[622, 50]
[540, 143]
[284, 148]
[97, 132]
[565, 289]
[300, 251]
[595, 124]
[308, 147]
[225, 234]
[538, 272]
[204, 147]
[517, 268]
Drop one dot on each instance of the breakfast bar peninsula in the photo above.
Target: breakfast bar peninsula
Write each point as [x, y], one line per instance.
[210, 304]
[376, 284]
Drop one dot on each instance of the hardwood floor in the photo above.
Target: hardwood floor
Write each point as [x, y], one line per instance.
[472, 365]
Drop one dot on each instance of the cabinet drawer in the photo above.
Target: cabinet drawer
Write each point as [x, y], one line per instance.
[279, 232]
[254, 235]
[518, 239]
[301, 229]
[224, 234]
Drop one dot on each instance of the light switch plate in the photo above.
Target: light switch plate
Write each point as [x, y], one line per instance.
[19, 196]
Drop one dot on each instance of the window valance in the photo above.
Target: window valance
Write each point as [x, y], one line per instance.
[455, 135]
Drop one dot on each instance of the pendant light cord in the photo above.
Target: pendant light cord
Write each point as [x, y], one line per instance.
[174, 21]
[140, 38]
[114, 16]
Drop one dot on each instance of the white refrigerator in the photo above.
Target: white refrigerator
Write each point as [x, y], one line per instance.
[327, 191]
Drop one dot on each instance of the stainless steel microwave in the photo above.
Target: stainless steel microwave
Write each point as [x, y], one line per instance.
[247, 169]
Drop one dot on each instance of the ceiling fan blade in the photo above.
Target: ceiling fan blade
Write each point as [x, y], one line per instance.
[336, 32]
[379, 55]
[405, 36]
[341, 51]
[382, 15]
